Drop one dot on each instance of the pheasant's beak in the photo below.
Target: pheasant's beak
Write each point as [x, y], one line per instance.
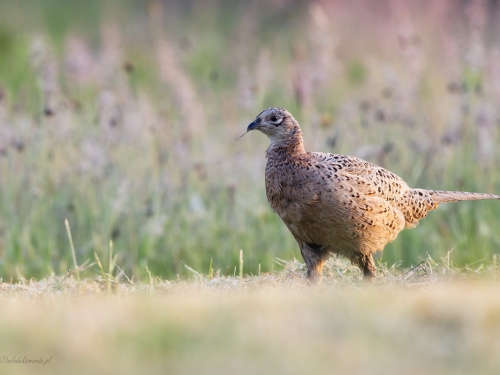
[254, 125]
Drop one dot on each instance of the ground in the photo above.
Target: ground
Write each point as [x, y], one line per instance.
[431, 319]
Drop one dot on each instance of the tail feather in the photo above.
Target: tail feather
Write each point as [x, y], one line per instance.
[416, 203]
[440, 196]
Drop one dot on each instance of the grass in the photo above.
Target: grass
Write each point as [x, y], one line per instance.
[124, 124]
[434, 319]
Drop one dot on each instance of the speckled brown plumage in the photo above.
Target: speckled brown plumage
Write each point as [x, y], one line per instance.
[338, 203]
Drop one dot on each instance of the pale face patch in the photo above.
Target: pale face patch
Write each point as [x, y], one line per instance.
[276, 122]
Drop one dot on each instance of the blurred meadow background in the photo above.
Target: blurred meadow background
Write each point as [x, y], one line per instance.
[121, 116]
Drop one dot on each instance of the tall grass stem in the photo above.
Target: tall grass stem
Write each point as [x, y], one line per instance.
[68, 229]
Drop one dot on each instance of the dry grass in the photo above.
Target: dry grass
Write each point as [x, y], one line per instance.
[338, 273]
[432, 319]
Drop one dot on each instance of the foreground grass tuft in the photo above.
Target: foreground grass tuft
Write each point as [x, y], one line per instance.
[338, 274]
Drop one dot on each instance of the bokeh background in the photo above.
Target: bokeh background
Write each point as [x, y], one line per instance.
[121, 116]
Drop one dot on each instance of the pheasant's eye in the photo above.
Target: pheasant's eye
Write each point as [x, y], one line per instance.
[275, 120]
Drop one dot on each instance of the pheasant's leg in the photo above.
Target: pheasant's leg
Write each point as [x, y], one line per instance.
[367, 265]
[314, 256]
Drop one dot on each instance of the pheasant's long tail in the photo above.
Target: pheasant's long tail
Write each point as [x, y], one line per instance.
[416, 203]
[454, 196]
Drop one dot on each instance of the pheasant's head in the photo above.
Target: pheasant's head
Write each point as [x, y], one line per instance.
[278, 124]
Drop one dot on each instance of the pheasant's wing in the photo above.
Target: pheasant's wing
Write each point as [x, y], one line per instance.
[372, 180]
[367, 194]
[368, 178]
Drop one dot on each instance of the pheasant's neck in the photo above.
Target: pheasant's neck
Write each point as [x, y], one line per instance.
[291, 146]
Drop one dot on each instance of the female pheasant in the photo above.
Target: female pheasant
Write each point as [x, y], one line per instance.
[338, 203]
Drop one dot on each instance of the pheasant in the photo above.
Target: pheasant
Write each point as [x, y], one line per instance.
[338, 203]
